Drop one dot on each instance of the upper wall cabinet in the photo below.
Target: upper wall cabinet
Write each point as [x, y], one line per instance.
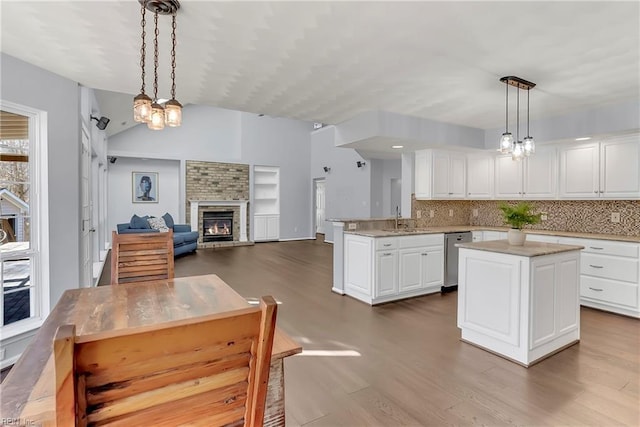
[440, 175]
[480, 176]
[534, 177]
[607, 169]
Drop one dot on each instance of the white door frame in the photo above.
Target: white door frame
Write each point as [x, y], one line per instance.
[314, 215]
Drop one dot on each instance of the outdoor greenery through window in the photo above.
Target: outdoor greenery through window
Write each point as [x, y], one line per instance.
[19, 297]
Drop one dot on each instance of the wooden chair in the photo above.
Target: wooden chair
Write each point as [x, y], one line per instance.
[206, 371]
[141, 257]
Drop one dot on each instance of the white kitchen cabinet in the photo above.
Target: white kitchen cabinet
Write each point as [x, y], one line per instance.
[609, 275]
[440, 175]
[480, 176]
[534, 177]
[606, 169]
[523, 308]
[384, 269]
[493, 235]
[266, 203]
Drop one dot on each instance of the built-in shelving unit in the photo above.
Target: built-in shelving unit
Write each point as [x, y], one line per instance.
[266, 203]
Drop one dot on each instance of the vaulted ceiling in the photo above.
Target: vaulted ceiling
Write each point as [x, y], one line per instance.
[328, 61]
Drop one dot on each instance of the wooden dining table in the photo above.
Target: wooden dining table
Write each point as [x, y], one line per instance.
[28, 391]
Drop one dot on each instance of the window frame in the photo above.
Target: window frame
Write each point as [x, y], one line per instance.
[38, 252]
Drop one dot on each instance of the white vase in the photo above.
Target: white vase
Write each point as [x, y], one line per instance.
[516, 237]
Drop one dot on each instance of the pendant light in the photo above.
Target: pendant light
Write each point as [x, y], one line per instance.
[173, 109]
[142, 103]
[517, 148]
[157, 110]
[146, 110]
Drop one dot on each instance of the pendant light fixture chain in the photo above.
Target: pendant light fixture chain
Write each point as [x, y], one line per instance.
[518, 148]
[173, 56]
[143, 47]
[155, 59]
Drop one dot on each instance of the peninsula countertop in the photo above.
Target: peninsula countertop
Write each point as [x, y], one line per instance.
[529, 249]
[462, 228]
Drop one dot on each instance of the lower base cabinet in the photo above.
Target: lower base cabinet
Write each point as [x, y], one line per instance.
[266, 227]
[384, 269]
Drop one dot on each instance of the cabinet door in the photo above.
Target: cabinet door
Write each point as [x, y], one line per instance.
[619, 163]
[273, 227]
[579, 171]
[508, 183]
[386, 273]
[259, 228]
[433, 267]
[480, 177]
[540, 174]
[422, 170]
[441, 176]
[457, 176]
[410, 261]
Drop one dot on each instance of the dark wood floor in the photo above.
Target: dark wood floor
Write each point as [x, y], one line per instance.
[403, 363]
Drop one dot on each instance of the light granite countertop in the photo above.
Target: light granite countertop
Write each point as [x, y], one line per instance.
[529, 249]
[461, 228]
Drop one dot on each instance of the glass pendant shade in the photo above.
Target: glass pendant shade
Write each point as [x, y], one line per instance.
[518, 151]
[173, 113]
[529, 146]
[506, 141]
[157, 117]
[142, 108]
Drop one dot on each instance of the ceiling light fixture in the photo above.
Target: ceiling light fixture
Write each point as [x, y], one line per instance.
[518, 149]
[146, 110]
[397, 146]
[584, 138]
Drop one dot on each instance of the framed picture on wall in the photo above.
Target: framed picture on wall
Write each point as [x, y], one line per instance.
[144, 187]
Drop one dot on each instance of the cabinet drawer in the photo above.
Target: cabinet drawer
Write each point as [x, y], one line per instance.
[386, 243]
[609, 291]
[608, 267]
[421, 240]
[607, 247]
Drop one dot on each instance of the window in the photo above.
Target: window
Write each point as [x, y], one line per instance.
[24, 272]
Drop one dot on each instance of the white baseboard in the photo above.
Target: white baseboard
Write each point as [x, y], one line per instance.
[296, 238]
[337, 291]
[9, 362]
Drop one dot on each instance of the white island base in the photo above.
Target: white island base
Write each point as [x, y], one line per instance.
[521, 303]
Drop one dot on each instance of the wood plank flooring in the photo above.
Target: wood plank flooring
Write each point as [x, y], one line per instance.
[403, 363]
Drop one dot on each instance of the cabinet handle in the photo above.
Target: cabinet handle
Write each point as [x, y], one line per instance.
[450, 193]
[386, 245]
[596, 248]
[595, 289]
[387, 253]
[601, 191]
[595, 266]
[596, 192]
[424, 254]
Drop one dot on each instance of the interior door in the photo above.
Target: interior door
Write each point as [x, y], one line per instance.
[320, 208]
[86, 264]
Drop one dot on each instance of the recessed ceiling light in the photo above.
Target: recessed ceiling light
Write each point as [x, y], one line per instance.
[397, 146]
[584, 138]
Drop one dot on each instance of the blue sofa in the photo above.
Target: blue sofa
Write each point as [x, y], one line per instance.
[184, 240]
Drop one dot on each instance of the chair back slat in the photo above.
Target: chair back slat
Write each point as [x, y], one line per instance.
[141, 257]
[208, 368]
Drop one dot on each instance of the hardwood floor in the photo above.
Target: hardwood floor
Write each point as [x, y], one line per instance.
[403, 363]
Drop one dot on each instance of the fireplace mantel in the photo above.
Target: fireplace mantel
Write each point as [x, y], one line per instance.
[195, 204]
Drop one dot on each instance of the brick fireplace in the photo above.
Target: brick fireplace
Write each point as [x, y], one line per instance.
[211, 188]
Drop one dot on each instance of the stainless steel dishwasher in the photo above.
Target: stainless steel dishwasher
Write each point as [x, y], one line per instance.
[451, 259]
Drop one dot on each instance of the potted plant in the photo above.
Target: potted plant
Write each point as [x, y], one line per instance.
[517, 216]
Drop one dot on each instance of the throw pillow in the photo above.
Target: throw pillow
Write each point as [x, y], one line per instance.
[168, 219]
[138, 222]
[158, 224]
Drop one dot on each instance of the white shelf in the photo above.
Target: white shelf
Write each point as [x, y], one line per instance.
[266, 203]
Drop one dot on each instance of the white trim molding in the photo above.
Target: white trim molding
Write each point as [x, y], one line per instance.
[195, 204]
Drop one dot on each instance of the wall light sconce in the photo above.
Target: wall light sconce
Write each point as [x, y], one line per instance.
[102, 122]
[360, 164]
[326, 168]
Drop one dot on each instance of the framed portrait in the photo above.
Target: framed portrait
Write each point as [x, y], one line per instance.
[144, 187]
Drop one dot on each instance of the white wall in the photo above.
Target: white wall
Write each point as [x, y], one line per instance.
[121, 206]
[391, 169]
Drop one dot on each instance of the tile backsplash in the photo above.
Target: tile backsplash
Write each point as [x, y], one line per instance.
[587, 216]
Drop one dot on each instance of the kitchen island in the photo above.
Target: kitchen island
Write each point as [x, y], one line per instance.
[520, 302]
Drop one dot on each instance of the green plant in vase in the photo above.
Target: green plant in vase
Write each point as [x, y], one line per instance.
[517, 216]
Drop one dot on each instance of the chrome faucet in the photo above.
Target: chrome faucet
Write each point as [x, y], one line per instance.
[397, 215]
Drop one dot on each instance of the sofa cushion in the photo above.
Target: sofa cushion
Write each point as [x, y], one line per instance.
[178, 239]
[139, 222]
[168, 219]
[158, 224]
[190, 236]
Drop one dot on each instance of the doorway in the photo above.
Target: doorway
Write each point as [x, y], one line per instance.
[319, 190]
